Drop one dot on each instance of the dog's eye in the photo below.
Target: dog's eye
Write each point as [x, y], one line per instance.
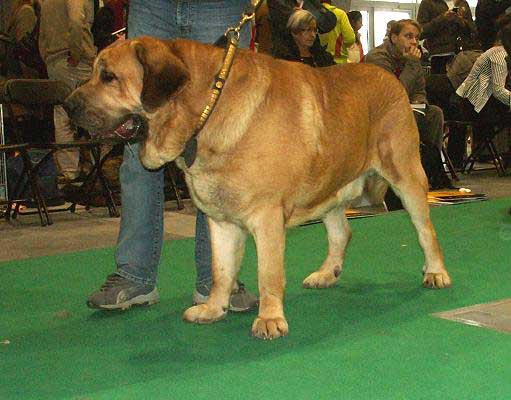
[107, 76]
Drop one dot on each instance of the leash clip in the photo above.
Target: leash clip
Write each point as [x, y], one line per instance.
[234, 31]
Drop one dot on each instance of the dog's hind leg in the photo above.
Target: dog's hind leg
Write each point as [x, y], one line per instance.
[411, 185]
[339, 235]
[267, 226]
[227, 245]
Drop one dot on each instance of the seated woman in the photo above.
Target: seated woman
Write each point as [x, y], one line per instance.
[304, 45]
[487, 97]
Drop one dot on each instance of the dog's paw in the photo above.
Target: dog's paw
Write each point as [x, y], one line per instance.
[320, 280]
[269, 328]
[438, 280]
[202, 314]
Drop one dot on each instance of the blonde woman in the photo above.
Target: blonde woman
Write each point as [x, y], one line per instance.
[304, 42]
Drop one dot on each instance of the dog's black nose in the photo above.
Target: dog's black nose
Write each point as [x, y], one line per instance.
[73, 104]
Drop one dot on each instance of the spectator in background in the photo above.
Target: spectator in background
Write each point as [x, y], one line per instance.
[108, 19]
[485, 91]
[487, 13]
[356, 51]
[463, 9]
[120, 10]
[22, 59]
[103, 26]
[22, 20]
[339, 39]
[401, 56]
[387, 31]
[445, 30]
[306, 48]
[67, 47]
[279, 13]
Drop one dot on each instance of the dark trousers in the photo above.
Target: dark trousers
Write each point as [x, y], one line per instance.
[494, 116]
[441, 93]
[431, 126]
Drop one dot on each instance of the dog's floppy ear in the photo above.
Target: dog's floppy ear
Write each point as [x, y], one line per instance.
[164, 74]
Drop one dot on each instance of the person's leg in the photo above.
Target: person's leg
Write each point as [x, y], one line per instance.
[58, 69]
[434, 132]
[206, 21]
[202, 254]
[141, 232]
[439, 89]
[431, 137]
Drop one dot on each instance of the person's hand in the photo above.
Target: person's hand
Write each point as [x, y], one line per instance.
[413, 54]
[450, 15]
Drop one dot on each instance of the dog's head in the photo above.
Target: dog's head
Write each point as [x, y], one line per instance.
[135, 76]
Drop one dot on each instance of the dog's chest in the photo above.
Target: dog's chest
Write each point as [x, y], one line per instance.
[211, 195]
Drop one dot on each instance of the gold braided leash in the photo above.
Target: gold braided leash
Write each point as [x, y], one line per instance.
[233, 37]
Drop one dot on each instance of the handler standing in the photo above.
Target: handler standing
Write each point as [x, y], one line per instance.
[142, 192]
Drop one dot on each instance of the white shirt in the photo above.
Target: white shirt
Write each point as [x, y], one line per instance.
[487, 78]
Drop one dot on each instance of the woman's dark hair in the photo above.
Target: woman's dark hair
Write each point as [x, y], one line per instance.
[503, 25]
[354, 16]
[505, 38]
[503, 20]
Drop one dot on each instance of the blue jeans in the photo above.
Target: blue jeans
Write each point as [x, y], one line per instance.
[141, 232]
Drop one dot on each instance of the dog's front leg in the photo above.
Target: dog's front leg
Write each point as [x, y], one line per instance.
[269, 234]
[227, 245]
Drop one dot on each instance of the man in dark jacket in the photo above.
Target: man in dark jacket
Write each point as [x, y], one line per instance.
[400, 55]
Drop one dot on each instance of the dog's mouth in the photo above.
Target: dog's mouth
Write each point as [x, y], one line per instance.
[133, 128]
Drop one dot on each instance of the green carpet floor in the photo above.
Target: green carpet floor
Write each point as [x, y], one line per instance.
[370, 337]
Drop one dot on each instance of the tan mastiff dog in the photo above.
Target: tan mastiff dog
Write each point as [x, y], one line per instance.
[286, 144]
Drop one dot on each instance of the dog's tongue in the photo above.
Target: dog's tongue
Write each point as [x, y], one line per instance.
[129, 129]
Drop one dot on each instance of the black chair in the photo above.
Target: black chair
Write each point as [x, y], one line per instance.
[486, 143]
[30, 174]
[438, 62]
[485, 132]
[461, 127]
[34, 93]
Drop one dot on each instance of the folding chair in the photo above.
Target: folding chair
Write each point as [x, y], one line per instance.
[472, 119]
[19, 186]
[448, 127]
[33, 93]
[488, 144]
